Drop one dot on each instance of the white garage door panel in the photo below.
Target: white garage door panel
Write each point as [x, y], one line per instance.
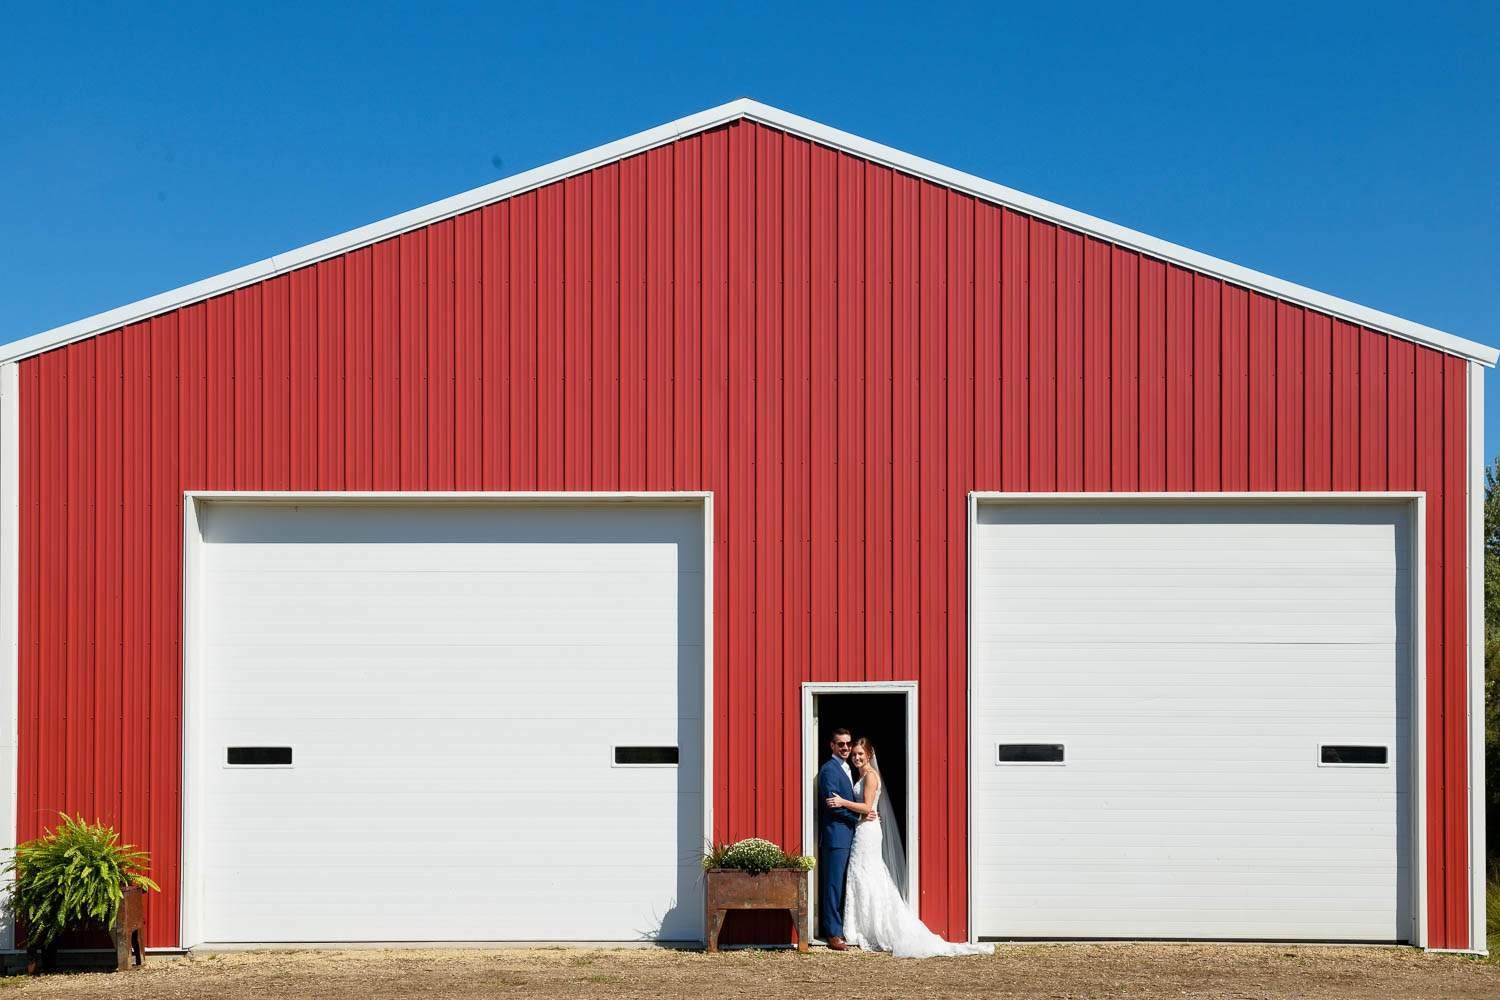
[1192, 657]
[621, 678]
[597, 900]
[301, 689]
[452, 679]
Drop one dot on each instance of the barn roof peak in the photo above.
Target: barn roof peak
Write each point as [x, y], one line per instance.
[746, 108]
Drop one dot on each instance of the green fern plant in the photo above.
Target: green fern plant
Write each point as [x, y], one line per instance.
[73, 875]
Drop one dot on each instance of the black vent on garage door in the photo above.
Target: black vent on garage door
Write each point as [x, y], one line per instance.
[1030, 753]
[664, 756]
[1345, 753]
[260, 756]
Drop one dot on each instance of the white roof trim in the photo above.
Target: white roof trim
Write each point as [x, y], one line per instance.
[702, 121]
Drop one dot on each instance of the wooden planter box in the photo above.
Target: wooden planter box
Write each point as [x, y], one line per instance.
[731, 889]
[129, 930]
[127, 935]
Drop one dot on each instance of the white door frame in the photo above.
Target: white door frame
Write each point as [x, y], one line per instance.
[812, 757]
[191, 888]
[1417, 504]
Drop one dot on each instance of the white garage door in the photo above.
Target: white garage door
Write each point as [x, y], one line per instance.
[453, 684]
[1155, 689]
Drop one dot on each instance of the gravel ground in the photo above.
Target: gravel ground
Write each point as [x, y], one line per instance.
[1098, 970]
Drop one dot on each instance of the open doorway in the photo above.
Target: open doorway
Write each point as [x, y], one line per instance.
[886, 715]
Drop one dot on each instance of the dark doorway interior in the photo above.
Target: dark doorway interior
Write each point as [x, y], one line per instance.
[880, 718]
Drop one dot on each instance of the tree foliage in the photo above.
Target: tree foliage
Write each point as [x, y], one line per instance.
[1492, 654]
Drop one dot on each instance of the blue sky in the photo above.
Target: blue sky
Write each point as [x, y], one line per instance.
[1351, 148]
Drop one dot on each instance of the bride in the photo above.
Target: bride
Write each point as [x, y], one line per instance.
[876, 918]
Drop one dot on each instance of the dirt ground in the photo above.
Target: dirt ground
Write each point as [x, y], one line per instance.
[1052, 971]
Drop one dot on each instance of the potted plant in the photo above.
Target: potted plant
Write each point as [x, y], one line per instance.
[755, 874]
[78, 877]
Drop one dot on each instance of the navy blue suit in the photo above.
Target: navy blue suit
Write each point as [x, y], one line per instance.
[836, 836]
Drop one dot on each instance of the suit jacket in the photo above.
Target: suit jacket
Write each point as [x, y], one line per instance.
[837, 824]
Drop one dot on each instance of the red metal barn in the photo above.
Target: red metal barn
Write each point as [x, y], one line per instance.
[456, 578]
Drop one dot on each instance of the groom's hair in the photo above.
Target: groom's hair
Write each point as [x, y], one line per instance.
[840, 731]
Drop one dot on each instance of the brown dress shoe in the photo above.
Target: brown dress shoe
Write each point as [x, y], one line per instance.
[837, 944]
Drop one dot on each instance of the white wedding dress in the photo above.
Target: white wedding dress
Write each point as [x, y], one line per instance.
[876, 918]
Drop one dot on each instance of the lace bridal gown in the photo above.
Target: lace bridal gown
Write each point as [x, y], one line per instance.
[876, 918]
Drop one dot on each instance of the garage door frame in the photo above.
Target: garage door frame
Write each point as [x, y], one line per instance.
[1417, 507]
[191, 877]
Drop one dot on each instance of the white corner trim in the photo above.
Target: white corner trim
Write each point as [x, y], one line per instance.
[10, 535]
[1474, 552]
[787, 122]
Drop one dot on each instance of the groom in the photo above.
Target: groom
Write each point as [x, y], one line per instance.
[836, 835]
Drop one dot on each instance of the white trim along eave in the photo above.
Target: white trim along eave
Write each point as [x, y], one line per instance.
[744, 108]
[190, 889]
[1416, 500]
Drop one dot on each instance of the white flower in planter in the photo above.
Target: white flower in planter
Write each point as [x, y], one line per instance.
[756, 854]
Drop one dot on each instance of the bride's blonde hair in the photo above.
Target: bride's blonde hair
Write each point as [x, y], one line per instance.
[869, 749]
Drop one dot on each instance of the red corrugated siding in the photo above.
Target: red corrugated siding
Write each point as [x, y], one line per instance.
[840, 353]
